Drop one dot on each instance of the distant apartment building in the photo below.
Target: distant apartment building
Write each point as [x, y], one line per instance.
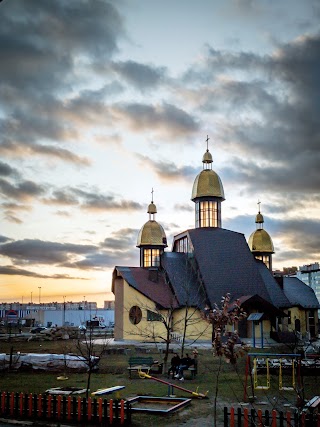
[310, 275]
[67, 313]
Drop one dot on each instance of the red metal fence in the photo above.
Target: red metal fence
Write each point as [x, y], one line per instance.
[248, 418]
[71, 409]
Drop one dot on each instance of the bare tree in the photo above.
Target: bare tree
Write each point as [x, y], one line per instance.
[225, 343]
[90, 351]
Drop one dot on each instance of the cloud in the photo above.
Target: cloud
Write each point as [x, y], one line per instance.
[165, 119]
[34, 251]
[23, 191]
[14, 271]
[6, 170]
[141, 76]
[168, 171]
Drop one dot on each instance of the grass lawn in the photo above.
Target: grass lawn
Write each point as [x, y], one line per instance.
[113, 371]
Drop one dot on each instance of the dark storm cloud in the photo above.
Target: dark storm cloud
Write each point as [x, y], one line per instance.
[34, 251]
[43, 48]
[169, 170]
[121, 240]
[93, 201]
[4, 239]
[139, 75]
[14, 271]
[60, 32]
[24, 190]
[6, 170]
[271, 108]
[165, 119]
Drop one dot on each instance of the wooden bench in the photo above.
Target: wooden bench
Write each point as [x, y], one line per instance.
[140, 363]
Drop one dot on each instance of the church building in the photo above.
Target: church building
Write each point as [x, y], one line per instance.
[168, 293]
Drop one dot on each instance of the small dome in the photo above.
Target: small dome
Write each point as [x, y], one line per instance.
[207, 157]
[152, 209]
[207, 184]
[260, 241]
[259, 218]
[152, 234]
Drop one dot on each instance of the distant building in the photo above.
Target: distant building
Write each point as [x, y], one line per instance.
[310, 275]
[49, 314]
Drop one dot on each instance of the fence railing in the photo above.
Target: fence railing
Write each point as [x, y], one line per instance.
[248, 418]
[91, 411]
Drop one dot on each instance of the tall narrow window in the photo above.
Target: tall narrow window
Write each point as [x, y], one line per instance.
[208, 214]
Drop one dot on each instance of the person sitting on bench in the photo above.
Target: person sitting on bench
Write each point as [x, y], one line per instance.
[175, 363]
[185, 363]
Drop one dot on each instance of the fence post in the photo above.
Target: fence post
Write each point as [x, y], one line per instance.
[89, 409]
[69, 408]
[16, 404]
[59, 407]
[260, 423]
[128, 413]
[239, 413]
[30, 405]
[79, 409]
[74, 408]
[35, 405]
[267, 418]
[100, 410]
[303, 419]
[281, 419]
[111, 411]
[253, 417]
[274, 418]
[225, 417]
[121, 411]
[11, 406]
[40, 405]
[232, 416]
[21, 404]
[49, 408]
[245, 417]
[318, 420]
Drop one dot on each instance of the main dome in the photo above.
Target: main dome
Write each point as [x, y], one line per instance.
[152, 234]
[207, 184]
[260, 241]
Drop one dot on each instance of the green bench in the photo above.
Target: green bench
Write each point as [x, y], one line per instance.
[140, 363]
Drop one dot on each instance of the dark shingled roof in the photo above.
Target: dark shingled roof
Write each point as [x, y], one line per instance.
[226, 264]
[152, 284]
[299, 294]
[277, 295]
[183, 279]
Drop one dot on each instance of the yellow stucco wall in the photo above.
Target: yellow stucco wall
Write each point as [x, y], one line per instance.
[127, 297]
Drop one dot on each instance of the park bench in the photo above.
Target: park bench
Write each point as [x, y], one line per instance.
[140, 363]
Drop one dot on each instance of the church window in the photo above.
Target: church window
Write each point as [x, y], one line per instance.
[135, 315]
[154, 317]
[151, 258]
[207, 214]
[182, 245]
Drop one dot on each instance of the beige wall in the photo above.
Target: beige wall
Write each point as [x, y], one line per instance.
[127, 297]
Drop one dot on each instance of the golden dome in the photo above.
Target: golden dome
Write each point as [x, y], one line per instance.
[259, 218]
[260, 241]
[152, 209]
[207, 184]
[152, 234]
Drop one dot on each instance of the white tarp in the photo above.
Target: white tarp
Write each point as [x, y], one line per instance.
[46, 362]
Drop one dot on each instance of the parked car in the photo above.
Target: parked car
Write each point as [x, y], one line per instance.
[37, 329]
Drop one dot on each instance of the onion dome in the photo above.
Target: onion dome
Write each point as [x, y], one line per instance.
[260, 241]
[207, 184]
[152, 234]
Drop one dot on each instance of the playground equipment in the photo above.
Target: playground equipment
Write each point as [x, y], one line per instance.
[272, 363]
[172, 386]
[109, 390]
[255, 375]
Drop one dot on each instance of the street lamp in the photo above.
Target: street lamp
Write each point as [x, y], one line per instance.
[39, 287]
[64, 310]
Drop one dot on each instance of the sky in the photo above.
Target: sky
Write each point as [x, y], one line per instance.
[103, 101]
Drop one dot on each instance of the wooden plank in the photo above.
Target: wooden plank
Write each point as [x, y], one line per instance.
[108, 390]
